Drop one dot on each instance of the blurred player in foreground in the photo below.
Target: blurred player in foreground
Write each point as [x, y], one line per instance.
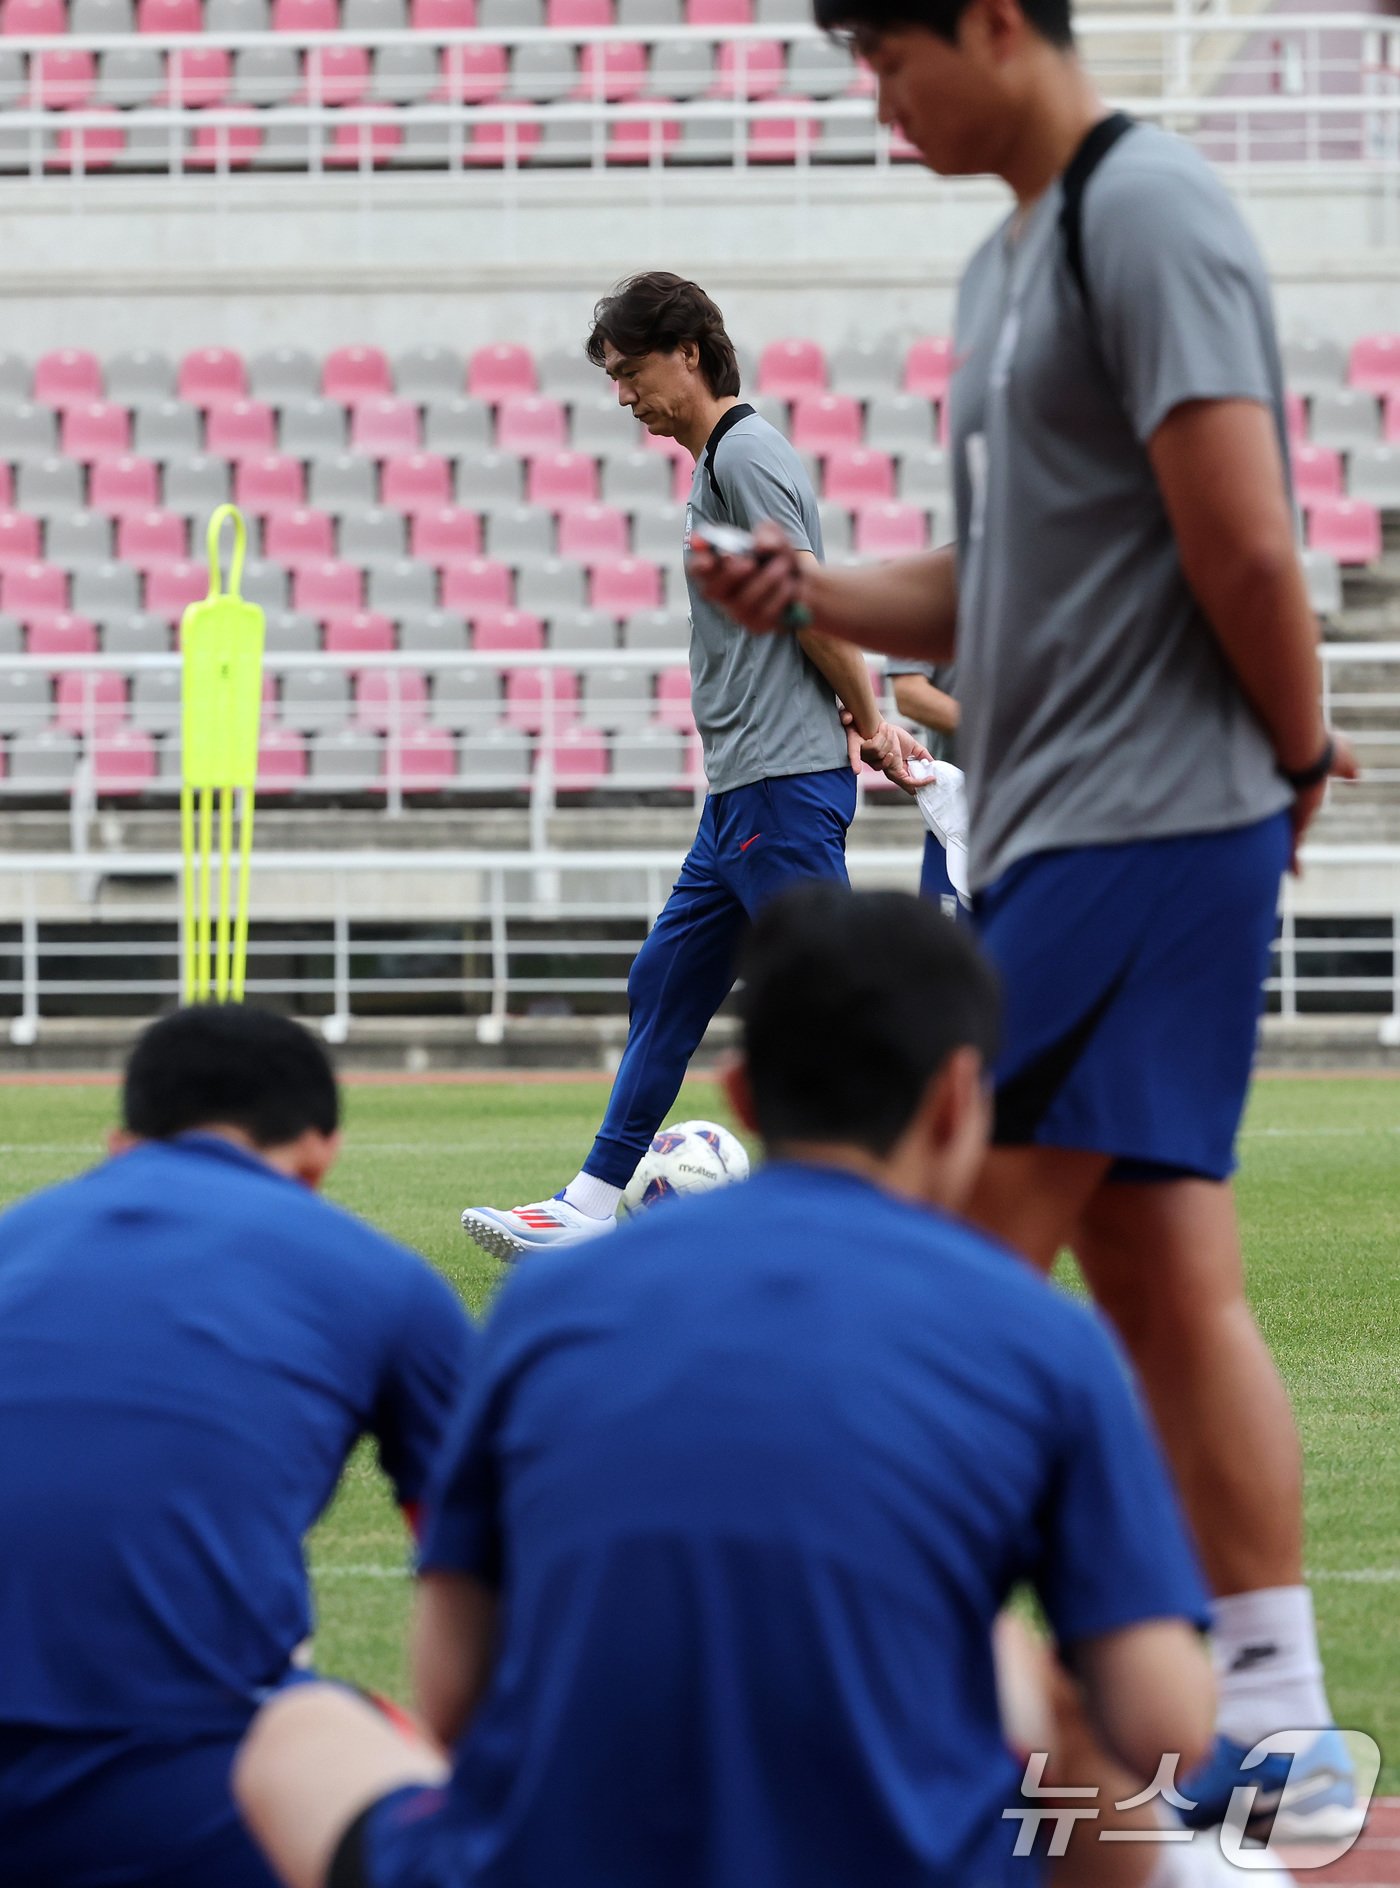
[191, 1343]
[1144, 748]
[712, 1564]
[782, 790]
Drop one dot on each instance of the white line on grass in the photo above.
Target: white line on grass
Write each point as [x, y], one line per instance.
[378, 1570]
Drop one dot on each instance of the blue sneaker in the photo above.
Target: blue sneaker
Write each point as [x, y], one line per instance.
[506, 1232]
[1297, 1797]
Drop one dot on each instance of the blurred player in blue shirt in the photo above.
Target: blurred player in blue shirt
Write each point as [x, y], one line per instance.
[711, 1569]
[191, 1344]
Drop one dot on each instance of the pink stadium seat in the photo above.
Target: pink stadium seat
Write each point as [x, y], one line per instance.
[749, 68]
[540, 699]
[124, 761]
[281, 759]
[199, 76]
[226, 147]
[98, 431]
[69, 377]
[719, 13]
[614, 71]
[527, 424]
[642, 141]
[443, 16]
[1296, 413]
[386, 699]
[825, 422]
[416, 481]
[562, 481]
[246, 429]
[33, 591]
[623, 588]
[1346, 528]
[472, 75]
[62, 79]
[891, 530]
[169, 16]
[305, 16]
[37, 19]
[62, 636]
[684, 478]
[119, 486]
[213, 376]
[928, 367]
[1317, 474]
[296, 538]
[19, 540]
[579, 757]
[479, 586]
[149, 539]
[507, 632]
[594, 534]
[328, 590]
[673, 708]
[7, 483]
[505, 142]
[858, 477]
[89, 147]
[171, 588]
[1375, 364]
[369, 142]
[366, 633]
[503, 371]
[381, 427]
[784, 140]
[788, 369]
[273, 484]
[352, 374]
[336, 75]
[450, 535]
[426, 759]
[578, 16]
[89, 702]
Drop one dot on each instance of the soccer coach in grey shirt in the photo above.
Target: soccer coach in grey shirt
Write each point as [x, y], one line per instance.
[1144, 747]
[779, 763]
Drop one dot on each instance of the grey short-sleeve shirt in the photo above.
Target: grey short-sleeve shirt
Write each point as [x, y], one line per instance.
[763, 710]
[1097, 705]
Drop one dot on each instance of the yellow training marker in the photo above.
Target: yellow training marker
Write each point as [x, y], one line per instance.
[221, 640]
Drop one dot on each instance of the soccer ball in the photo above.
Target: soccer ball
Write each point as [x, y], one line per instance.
[687, 1157]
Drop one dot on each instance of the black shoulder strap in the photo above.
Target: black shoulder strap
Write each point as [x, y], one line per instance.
[1097, 144]
[742, 411]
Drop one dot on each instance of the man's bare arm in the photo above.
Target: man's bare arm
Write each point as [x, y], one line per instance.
[452, 1647]
[916, 698]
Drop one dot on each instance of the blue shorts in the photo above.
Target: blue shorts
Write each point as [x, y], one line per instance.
[1131, 978]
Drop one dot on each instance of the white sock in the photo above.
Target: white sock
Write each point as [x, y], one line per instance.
[592, 1196]
[1267, 1665]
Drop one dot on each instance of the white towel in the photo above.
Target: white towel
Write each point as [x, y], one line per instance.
[943, 803]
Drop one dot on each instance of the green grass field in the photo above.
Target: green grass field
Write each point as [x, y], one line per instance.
[1320, 1201]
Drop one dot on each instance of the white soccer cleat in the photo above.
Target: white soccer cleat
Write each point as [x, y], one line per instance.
[506, 1232]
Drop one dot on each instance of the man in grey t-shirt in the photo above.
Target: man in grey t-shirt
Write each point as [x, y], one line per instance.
[779, 763]
[1144, 746]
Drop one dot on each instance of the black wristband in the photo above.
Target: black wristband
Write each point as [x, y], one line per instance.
[1314, 775]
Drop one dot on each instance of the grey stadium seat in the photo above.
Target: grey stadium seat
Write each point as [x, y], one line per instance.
[266, 75]
[312, 429]
[170, 430]
[685, 69]
[770, 407]
[404, 75]
[130, 75]
[457, 426]
[709, 141]
[14, 89]
[817, 69]
[104, 591]
[403, 589]
[634, 481]
[315, 701]
[466, 699]
[925, 478]
[46, 487]
[25, 700]
[155, 700]
[237, 16]
[75, 538]
[345, 762]
[43, 762]
[27, 432]
[567, 141]
[498, 761]
[566, 373]
[266, 584]
[1324, 582]
[425, 374]
[433, 632]
[582, 629]
[659, 534]
[617, 699]
[601, 426]
[867, 370]
[551, 587]
[16, 379]
[521, 536]
[845, 141]
[1373, 474]
[288, 146]
[509, 16]
[648, 757]
[1344, 417]
[1313, 362]
[140, 377]
[101, 16]
[782, 13]
[836, 530]
[374, 16]
[900, 423]
[11, 636]
[288, 634]
[136, 635]
[196, 485]
[342, 484]
[375, 536]
[283, 374]
[667, 630]
[637, 15]
[490, 481]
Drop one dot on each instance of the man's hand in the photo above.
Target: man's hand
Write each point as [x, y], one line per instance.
[1308, 803]
[888, 750]
[756, 591]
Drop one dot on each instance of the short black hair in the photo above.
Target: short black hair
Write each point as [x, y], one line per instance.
[1050, 18]
[653, 314]
[852, 1002]
[223, 1064]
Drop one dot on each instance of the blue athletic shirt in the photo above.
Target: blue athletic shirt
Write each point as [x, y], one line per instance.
[190, 1346]
[754, 1476]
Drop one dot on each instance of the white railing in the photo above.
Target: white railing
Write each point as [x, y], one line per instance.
[1255, 91]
